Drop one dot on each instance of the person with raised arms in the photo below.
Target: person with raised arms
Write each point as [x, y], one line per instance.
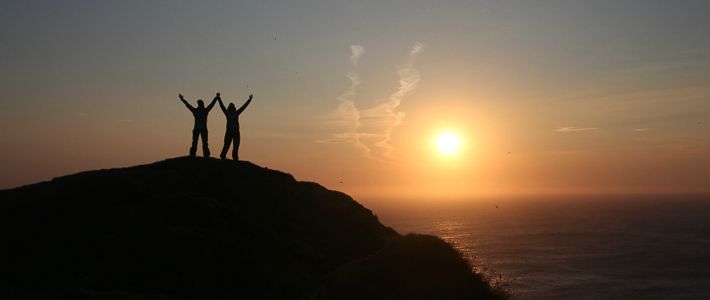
[200, 129]
[232, 136]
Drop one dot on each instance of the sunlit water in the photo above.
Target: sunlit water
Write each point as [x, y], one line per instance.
[577, 249]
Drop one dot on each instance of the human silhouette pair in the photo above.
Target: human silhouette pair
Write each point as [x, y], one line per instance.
[231, 136]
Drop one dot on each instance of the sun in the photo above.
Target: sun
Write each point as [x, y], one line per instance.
[448, 143]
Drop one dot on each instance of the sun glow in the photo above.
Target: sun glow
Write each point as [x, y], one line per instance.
[448, 143]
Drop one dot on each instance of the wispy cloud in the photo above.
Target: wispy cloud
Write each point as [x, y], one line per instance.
[347, 115]
[574, 129]
[371, 129]
[642, 129]
[356, 51]
[387, 112]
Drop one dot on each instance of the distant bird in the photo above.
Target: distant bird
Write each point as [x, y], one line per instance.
[496, 205]
[341, 181]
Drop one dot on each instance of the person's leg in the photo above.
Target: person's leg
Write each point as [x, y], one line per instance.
[193, 148]
[205, 146]
[235, 149]
[227, 141]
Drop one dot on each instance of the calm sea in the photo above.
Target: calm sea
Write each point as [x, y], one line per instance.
[649, 248]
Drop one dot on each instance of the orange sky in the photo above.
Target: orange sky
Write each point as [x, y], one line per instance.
[583, 98]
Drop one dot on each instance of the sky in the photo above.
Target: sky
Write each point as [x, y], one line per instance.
[546, 97]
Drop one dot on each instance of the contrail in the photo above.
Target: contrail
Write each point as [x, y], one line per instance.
[347, 112]
[356, 51]
[374, 126]
[348, 105]
[574, 129]
[408, 80]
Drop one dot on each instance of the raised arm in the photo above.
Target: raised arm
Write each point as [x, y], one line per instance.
[221, 104]
[209, 107]
[192, 109]
[244, 106]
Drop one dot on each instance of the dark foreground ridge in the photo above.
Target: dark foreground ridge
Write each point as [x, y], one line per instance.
[196, 228]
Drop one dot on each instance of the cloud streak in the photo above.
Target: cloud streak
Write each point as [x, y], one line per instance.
[355, 52]
[370, 130]
[347, 115]
[574, 129]
[387, 112]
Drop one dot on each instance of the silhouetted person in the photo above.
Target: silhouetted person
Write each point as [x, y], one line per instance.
[232, 134]
[200, 113]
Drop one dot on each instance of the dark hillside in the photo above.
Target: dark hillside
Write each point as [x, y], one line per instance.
[183, 228]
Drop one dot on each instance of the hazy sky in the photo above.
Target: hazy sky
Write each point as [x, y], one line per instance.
[547, 96]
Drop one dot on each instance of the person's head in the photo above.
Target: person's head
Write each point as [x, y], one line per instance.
[231, 107]
[200, 103]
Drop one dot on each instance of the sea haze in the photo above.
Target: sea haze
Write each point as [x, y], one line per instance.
[575, 248]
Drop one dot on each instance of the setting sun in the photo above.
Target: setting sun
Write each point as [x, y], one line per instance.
[448, 143]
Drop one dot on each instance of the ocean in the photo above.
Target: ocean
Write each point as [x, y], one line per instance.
[581, 248]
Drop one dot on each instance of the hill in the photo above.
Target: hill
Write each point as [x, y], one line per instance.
[196, 228]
